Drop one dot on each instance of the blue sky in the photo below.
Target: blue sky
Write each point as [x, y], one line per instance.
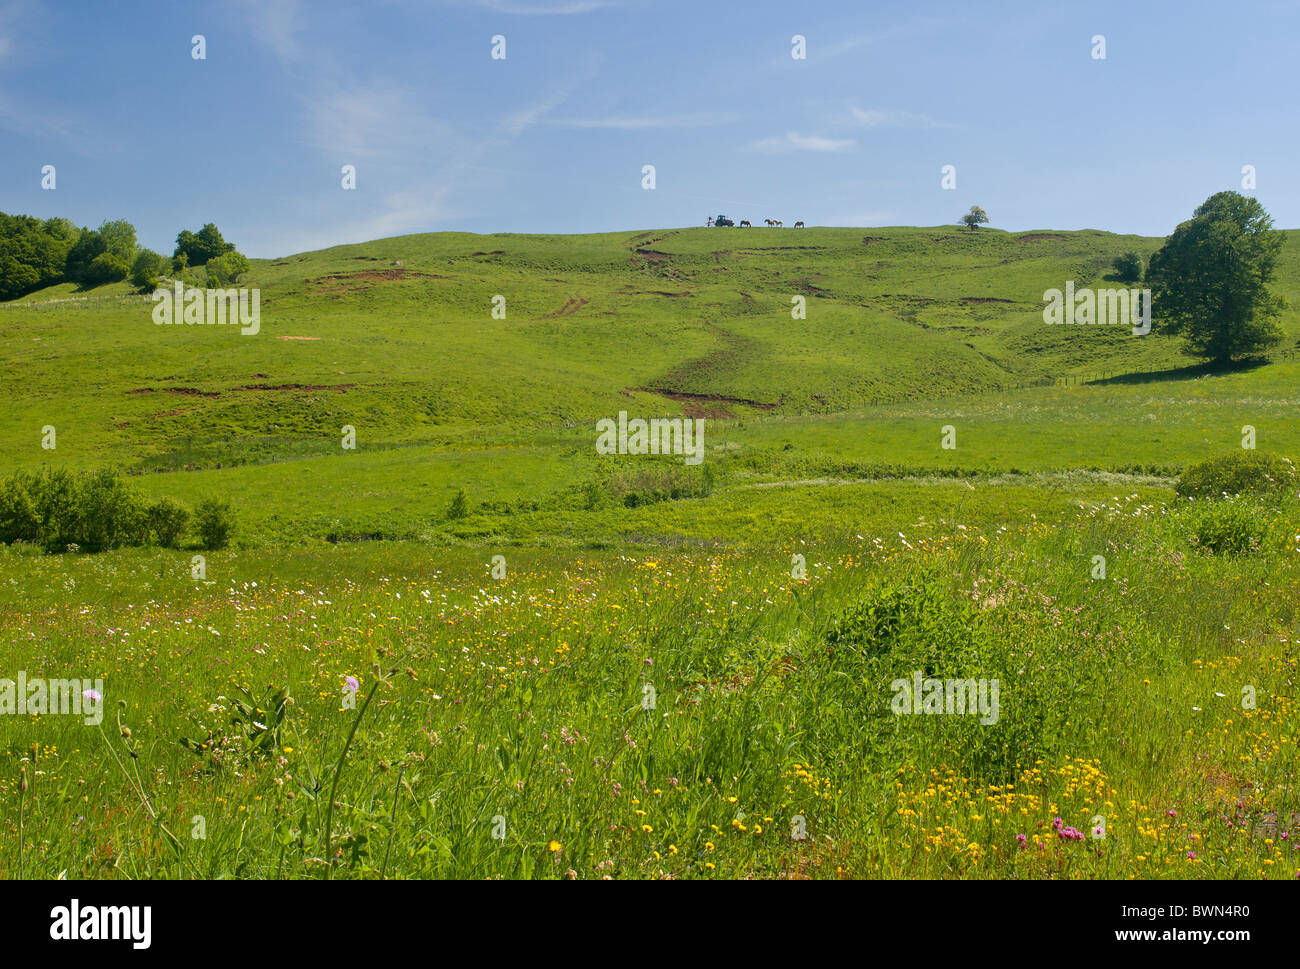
[553, 138]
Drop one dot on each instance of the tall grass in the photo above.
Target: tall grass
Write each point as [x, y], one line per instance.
[684, 713]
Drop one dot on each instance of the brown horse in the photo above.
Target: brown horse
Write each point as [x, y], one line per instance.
[799, 224]
[745, 222]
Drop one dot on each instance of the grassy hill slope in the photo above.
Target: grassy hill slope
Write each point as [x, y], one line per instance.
[828, 545]
[907, 329]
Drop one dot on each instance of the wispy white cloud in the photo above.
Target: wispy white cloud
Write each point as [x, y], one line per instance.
[819, 52]
[6, 30]
[13, 13]
[377, 120]
[32, 120]
[29, 113]
[889, 118]
[794, 141]
[417, 209]
[412, 165]
[277, 24]
[516, 123]
[645, 122]
[382, 124]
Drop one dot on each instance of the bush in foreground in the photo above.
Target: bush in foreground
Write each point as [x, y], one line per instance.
[1256, 473]
[168, 520]
[92, 511]
[1229, 527]
[215, 523]
[57, 509]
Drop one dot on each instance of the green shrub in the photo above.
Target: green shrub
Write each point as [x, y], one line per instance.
[214, 522]
[109, 513]
[913, 625]
[594, 496]
[88, 245]
[225, 270]
[57, 509]
[33, 252]
[19, 520]
[146, 269]
[58, 519]
[1128, 267]
[107, 267]
[167, 521]
[1229, 527]
[198, 247]
[459, 507]
[657, 482]
[1239, 473]
[916, 625]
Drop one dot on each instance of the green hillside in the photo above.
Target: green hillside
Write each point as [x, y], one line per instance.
[650, 669]
[906, 329]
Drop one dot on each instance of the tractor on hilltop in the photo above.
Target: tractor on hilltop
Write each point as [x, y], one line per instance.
[723, 220]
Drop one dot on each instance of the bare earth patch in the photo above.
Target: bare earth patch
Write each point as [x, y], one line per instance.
[569, 308]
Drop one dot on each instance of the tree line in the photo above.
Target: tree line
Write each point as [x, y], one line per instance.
[36, 253]
[93, 511]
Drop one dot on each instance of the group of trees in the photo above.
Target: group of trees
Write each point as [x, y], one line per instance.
[102, 255]
[207, 248]
[196, 248]
[33, 253]
[92, 511]
[36, 253]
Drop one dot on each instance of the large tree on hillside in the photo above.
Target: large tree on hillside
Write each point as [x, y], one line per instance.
[1210, 279]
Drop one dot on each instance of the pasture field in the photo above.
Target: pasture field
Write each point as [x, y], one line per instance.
[630, 667]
